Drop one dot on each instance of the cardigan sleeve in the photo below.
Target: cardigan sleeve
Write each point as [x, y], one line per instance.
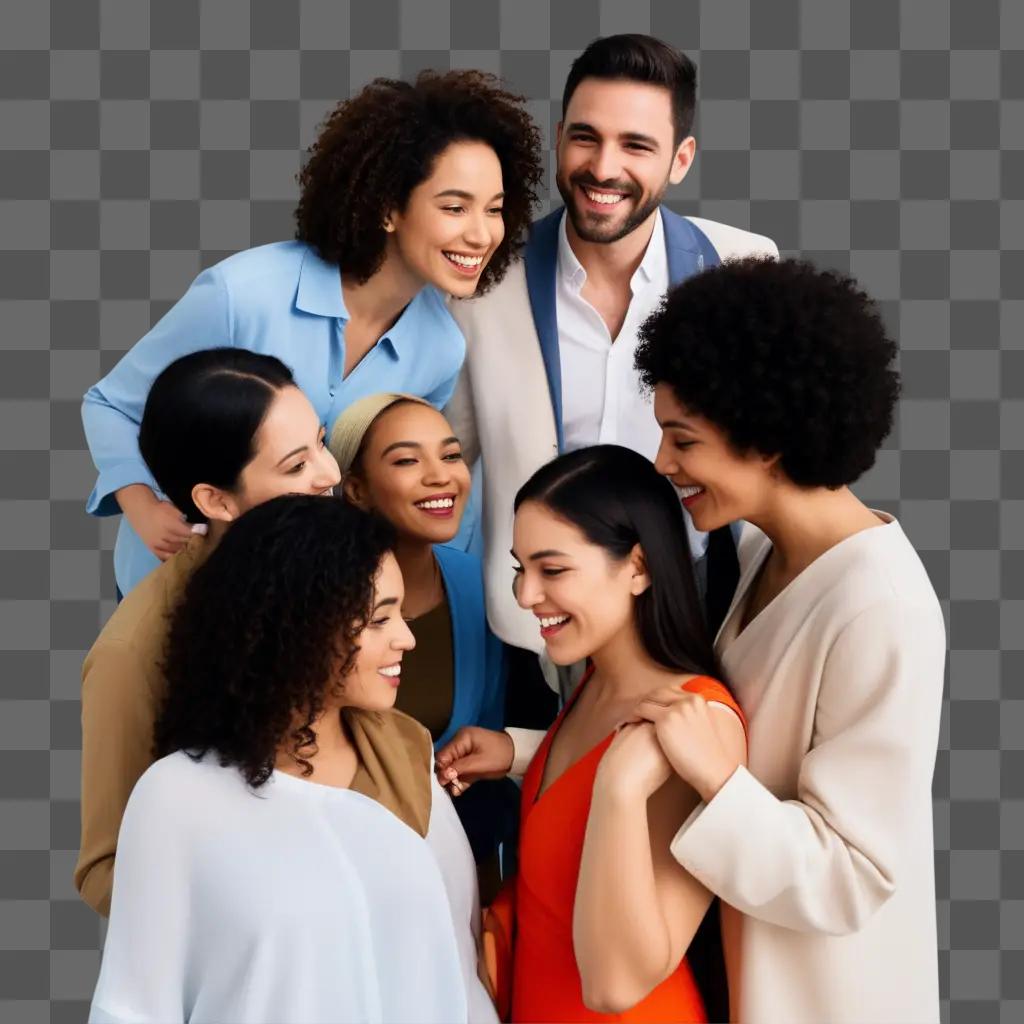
[112, 408]
[828, 859]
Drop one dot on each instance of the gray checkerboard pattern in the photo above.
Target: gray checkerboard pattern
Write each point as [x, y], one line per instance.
[140, 142]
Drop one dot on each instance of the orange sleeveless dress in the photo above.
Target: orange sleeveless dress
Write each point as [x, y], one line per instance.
[546, 984]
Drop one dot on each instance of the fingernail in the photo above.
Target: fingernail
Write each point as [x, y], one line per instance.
[200, 528]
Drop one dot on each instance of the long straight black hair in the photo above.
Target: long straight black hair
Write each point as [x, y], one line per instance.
[617, 499]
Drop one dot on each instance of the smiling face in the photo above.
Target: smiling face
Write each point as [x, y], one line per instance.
[717, 484]
[452, 222]
[291, 457]
[616, 156]
[373, 681]
[411, 472]
[582, 598]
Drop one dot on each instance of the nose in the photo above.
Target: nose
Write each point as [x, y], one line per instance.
[605, 164]
[403, 639]
[527, 589]
[327, 474]
[476, 231]
[436, 472]
[665, 462]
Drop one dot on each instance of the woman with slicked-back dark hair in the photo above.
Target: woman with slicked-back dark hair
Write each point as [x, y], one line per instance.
[223, 430]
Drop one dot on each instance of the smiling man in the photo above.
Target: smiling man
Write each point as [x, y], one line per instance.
[549, 364]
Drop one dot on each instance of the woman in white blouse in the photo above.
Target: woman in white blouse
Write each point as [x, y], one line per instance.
[774, 387]
[290, 857]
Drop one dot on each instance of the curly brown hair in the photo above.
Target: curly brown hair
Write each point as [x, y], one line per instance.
[267, 627]
[376, 147]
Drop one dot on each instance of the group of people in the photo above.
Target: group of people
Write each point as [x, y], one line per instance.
[662, 753]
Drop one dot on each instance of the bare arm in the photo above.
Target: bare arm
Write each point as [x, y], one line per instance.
[636, 910]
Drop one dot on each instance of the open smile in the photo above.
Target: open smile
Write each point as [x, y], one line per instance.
[550, 625]
[690, 495]
[601, 199]
[392, 673]
[440, 506]
[468, 266]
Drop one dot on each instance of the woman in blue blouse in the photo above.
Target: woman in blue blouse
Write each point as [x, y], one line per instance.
[411, 192]
[399, 458]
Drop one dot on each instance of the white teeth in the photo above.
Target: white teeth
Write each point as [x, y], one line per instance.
[603, 198]
[465, 261]
[438, 503]
[391, 670]
[555, 620]
[690, 491]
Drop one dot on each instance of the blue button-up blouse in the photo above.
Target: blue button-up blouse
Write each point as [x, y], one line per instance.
[282, 300]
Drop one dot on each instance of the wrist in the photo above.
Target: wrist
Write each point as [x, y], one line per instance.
[135, 497]
[712, 780]
[511, 751]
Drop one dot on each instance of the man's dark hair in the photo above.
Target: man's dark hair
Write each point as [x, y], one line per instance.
[640, 58]
[201, 417]
[785, 358]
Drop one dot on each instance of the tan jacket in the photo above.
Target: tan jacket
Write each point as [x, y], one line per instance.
[122, 686]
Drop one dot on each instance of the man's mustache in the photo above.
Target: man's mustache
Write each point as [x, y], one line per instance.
[586, 180]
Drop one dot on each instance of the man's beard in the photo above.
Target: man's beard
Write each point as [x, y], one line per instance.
[591, 230]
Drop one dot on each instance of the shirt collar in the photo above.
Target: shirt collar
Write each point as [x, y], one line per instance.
[653, 267]
[319, 290]
[320, 293]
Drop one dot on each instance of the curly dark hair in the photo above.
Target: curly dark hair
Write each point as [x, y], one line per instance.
[267, 625]
[785, 358]
[376, 147]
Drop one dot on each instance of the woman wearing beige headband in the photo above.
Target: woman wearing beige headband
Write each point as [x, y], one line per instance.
[399, 457]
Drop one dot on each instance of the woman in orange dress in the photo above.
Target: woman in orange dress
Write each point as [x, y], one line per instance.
[604, 915]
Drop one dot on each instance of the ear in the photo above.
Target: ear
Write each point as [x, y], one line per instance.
[682, 160]
[215, 504]
[772, 465]
[558, 134]
[389, 222]
[640, 577]
[354, 490]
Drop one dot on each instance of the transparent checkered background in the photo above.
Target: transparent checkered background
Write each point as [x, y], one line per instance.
[141, 142]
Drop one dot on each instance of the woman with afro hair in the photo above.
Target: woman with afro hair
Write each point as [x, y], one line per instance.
[411, 192]
[774, 387]
[290, 857]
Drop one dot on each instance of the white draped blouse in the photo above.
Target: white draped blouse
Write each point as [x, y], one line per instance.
[297, 903]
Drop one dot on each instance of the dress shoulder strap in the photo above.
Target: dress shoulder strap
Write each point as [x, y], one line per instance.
[714, 690]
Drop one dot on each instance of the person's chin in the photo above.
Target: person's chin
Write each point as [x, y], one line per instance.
[563, 654]
[385, 698]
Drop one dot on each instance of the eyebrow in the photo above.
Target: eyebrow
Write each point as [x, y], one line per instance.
[546, 553]
[459, 193]
[296, 451]
[385, 601]
[676, 424]
[582, 126]
[415, 444]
